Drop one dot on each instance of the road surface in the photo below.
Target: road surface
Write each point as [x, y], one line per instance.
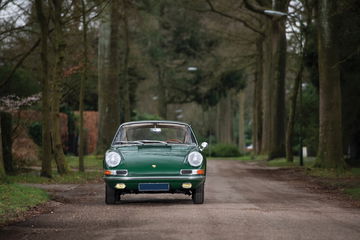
[243, 201]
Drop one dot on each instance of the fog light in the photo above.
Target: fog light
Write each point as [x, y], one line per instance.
[186, 185]
[120, 186]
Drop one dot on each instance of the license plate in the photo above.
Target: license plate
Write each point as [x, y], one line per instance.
[153, 187]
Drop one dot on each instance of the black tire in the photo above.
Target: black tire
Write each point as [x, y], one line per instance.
[110, 195]
[198, 194]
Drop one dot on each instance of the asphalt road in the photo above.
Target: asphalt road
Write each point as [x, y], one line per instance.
[242, 201]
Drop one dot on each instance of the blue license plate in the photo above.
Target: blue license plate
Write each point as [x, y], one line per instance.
[153, 187]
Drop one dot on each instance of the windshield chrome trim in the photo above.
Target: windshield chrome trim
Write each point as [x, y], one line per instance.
[154, 121]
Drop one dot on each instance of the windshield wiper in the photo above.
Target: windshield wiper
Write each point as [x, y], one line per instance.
[128, 142]
[153, 141]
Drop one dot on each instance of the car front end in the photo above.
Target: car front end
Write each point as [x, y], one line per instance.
[154, 166]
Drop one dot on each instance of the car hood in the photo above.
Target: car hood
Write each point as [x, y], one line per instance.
[154, 159]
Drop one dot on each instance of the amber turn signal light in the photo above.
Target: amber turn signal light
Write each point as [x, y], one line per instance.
[107, 172]
[201, 172]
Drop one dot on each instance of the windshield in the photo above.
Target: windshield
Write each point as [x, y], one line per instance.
[154, 133]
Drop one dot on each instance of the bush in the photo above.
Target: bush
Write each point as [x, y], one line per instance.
[145, 116]
[222, 150]
[35, 132]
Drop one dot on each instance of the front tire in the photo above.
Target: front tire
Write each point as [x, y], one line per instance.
[198, 194]
[110, 195]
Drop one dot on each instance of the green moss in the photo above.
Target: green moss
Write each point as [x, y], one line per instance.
[15, 199]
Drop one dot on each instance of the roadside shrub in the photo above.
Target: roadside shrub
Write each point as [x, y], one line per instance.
[145, 116]
[35, 132]
[222, 150]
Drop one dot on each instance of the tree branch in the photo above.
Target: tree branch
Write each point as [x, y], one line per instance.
[19, 63]
[246, 24]
[255, 8]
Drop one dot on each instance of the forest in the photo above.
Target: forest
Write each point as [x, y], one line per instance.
[269, 78]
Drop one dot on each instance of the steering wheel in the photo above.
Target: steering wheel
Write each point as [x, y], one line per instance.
[174, 140]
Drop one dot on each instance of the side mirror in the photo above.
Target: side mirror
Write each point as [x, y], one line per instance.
[203, 145]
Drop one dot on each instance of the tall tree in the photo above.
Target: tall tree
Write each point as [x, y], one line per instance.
[82, 86]
[302, 42]
[46, 113]
[330, 153]
[2, 168]
[225, 119]
[257, 127]
[125, 80]
[57, 81]
[109, 86]
[273, 143]
[241, 101]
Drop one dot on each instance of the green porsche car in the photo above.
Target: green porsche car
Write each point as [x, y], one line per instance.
[154, 157]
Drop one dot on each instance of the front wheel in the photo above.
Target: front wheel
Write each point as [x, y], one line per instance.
[198, 194]
[110, 195]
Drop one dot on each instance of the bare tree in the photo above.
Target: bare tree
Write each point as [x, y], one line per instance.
[109, 86]
[46, 116]
[82, 87]
[57, 80]
[330, 153]
[241, 96]
[2, 168]
[273, 143]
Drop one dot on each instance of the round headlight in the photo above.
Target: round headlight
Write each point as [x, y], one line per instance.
[112, 159]
[195, 159]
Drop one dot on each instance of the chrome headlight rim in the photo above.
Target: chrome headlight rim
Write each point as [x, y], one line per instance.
[112, 159]
[195, 159]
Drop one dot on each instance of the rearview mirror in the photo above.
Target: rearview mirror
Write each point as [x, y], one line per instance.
[155, 130]
[203, 145]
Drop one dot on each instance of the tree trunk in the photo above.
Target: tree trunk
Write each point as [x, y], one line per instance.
[225, 120]
[242, 121]
[2, 168]
[330, 153]
[292, 113]
[126, 93]
[267, 91]
[103, 74]
[273, 143]
[46, 116]
[82, 83]
[257, 96]
[277, 132]
[109, 86]
[162, 98]
[7, 131]
[295, 91]
[56, 88]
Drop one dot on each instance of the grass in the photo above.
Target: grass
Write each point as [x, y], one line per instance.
[71, 177]
[353, 192]
[93, 171]
[16, 199]
[244, 158]
[90, 161]
[332, 173]
[347, 181]
[281, 162]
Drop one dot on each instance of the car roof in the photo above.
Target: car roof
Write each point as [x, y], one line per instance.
[155, 121]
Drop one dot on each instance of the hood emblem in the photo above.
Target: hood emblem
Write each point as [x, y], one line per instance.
[154, 166]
